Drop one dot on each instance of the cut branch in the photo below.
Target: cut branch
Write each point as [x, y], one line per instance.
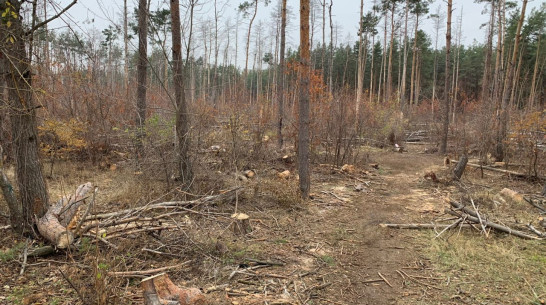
[473, 217]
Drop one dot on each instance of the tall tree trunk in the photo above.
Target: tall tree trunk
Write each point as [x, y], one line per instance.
[303, 132]
[331, 68]
[248, 37]
[126, 52]
[499, 70]
[388, 91]
[15, 67]
[414, 61]
[142, 69]
[504, 115]
[405, 64]
[280, 85]
[383, 73]
[361, 59]
[182, 118]
[486, 79]
[435, 68]
[447, 93]
[532, 93]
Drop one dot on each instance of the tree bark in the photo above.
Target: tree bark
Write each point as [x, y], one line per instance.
[405, 64]
[388, 91]
[182, 118]
[16, 68]
[504, 115]
[459, 168]
[142, 69]
[361, 59]
[447, 93]
[280, 81]
[303, 132]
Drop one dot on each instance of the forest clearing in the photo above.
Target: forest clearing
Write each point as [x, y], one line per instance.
[174, 155]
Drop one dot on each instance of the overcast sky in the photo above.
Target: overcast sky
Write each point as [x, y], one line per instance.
[98, 14]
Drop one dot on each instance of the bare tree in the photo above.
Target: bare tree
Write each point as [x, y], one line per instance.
[182, 118]
[447, 93]
[508, 87]
[280, 81]
[142, 69]
[361, 59]
[15, 67]
[438, 19]
[303, 132]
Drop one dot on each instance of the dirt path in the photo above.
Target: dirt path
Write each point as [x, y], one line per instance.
[364, 251]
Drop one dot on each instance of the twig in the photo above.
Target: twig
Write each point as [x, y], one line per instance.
[449, 227]
[384, 279]
[84, 301]
[530, 201]
[334, 195]
[260, 262]
[160, 253]
[479, 218]
[317, 287]
[25, 255]
[89, 206]
[215, 288]
[138, 273]
[372, 281]
[109, 244]
[537, 232]
[402, 273]
[41, 24]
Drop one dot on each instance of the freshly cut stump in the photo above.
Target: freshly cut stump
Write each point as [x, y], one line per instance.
[159, 289]
[241, 224]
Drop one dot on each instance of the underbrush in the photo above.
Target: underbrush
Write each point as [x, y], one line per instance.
[499, 269]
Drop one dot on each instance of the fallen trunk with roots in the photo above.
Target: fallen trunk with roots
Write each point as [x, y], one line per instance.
[67, 218]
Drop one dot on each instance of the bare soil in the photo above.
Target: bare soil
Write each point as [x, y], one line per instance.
[333, 249]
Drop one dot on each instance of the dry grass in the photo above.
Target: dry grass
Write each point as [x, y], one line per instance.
[495, 270]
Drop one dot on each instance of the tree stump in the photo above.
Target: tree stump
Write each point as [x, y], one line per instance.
[241, 224]
[459, 168]
[160, 290]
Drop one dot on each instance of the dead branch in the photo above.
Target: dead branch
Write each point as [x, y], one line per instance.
[537, 232]
[417, 225]
[533, 203]
[472, 216]
[504, 171]
[140, 273]
[229, 194]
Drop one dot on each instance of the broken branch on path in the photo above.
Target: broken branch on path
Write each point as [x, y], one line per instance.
[418, 225]
[473, 217]
[504, 171]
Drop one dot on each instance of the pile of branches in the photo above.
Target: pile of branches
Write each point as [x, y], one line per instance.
[70, 218]
[467, 215]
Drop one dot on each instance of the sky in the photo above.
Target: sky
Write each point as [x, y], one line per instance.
[99, 14]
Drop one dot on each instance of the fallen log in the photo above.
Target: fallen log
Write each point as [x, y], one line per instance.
[473, 217]
[418, 226]
[504, 171]
[53, 225]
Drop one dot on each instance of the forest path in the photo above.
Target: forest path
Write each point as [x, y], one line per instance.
[362, 251]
